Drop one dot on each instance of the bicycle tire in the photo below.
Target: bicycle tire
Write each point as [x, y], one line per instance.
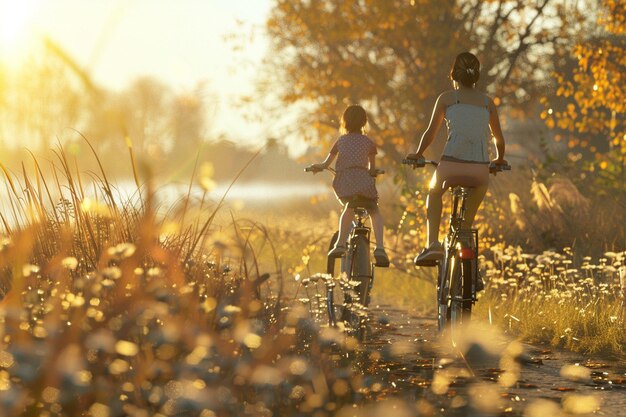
[456, 295]
[461, 300]
[361, 267]
[331, 306]
[443, 313]
[468, 269]
[361, 271]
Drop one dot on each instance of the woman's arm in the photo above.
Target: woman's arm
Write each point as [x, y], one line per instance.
[436, 120]
[496, 131]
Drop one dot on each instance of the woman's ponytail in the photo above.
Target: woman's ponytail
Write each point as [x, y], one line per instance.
[466, 69]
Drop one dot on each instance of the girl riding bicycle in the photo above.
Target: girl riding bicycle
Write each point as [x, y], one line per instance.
[472, 119]
[355, 178]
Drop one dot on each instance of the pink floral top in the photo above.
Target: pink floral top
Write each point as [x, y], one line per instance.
[353, 179]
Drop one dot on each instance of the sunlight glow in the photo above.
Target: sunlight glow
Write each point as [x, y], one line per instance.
[14, 21]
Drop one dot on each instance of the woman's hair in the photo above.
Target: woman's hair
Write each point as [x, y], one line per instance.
[353, 119]
[466, 69]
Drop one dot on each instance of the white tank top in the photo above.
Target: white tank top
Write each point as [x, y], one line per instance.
[468, 131]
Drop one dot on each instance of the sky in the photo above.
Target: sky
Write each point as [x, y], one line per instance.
[181, 42]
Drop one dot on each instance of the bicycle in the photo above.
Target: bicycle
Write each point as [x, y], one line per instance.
[357, 271]
[458, 278]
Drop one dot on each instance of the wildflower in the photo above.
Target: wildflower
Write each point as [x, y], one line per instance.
[122, 250]
[29, 269]
[155, 272]
[252, 340]
[92, 206]
[112, 272]
[5, 242]
[69, 263]
[231, 309]
[126, 348]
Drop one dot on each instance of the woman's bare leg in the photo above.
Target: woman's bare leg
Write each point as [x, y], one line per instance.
[433, 210]
[472, 204]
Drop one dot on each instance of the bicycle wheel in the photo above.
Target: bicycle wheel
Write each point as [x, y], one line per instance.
[361, 272]
[331, 305]
[456, 295]
[468, 272]
[443, 313]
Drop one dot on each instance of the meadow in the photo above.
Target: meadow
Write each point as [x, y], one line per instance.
[119, 305]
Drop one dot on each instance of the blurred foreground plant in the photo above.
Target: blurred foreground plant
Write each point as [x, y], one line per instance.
[111, 308]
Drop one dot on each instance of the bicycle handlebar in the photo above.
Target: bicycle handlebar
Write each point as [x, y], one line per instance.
[420, 163]
[499, 167]
[313, 169]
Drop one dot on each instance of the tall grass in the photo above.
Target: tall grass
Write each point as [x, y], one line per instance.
[549, 298]
[120, 307]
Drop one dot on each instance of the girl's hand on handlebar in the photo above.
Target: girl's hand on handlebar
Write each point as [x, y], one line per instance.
[315, 168]
[414, 156]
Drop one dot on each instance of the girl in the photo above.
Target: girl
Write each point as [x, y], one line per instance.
[471, 118]
[355, 178]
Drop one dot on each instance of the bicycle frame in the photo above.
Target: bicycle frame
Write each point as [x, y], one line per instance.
[357, 268]
[359, 273]
[458, 271]
[458, 275]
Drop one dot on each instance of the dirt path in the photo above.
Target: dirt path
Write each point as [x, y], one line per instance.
[487, 374]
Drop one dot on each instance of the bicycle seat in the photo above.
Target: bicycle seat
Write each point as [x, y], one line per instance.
[362, 202]
[462, 181]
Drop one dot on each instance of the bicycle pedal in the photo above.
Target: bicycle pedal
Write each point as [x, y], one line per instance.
[427, 263]
[380, 264]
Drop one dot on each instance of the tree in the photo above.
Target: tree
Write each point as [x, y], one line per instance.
[41, 101]
[590, 111]
[394, 56]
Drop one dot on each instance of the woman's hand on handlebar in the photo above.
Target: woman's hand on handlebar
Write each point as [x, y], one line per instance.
[415, 160]
[414, 156]
[498, 165]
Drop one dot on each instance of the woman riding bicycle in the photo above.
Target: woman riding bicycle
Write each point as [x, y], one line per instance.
[472, 119]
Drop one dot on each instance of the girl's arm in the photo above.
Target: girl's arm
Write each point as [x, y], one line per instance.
[326, 163]
[436, 120]
[496, 131]
[372, 159]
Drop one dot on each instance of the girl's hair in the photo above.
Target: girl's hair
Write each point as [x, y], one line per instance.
[466, 69]
[353, 119]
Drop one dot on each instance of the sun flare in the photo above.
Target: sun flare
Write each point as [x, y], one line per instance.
[14, 21]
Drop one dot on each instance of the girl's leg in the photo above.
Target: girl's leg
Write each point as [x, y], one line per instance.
[344, 225]
[378, 226]
[380, 256]
[472, 204]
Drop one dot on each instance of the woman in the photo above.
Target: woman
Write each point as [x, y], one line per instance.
[472, 119]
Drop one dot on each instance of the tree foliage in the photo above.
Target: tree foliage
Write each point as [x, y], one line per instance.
[394, 56]
[591, 110]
